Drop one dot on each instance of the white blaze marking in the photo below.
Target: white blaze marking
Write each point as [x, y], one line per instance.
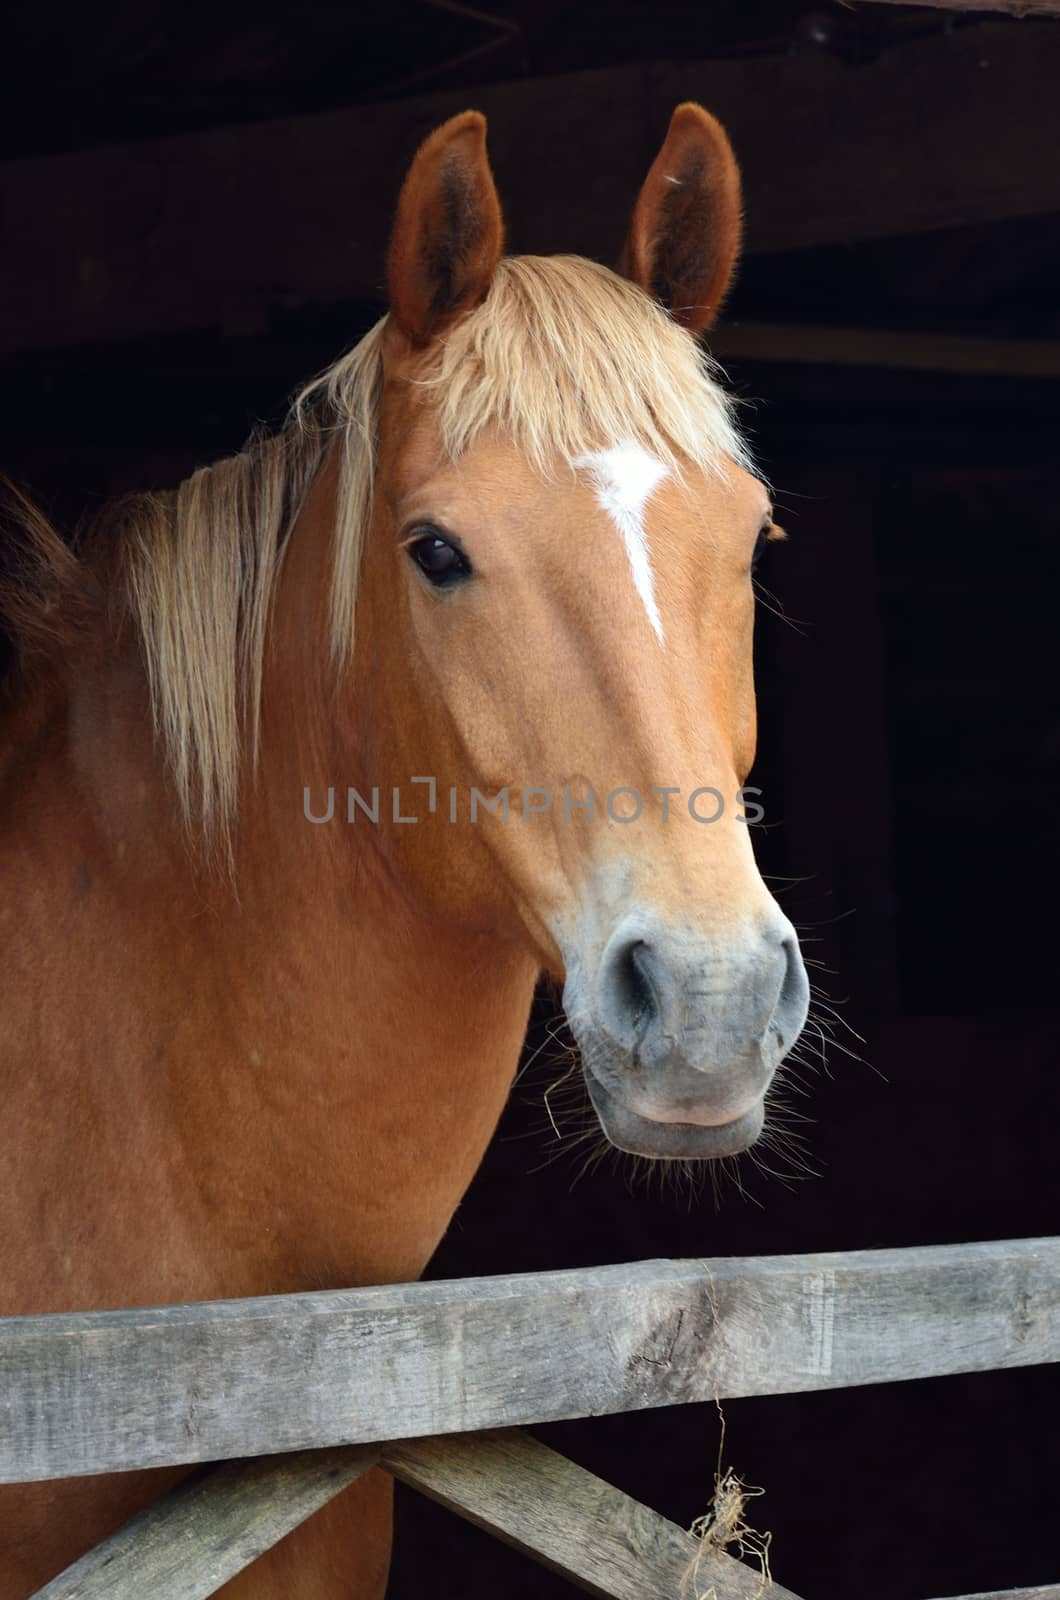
[624, 478]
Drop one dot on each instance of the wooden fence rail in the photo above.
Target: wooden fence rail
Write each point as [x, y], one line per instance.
[113, 1390]
[1046, 1591]
[104, 1391]
[208, 1529]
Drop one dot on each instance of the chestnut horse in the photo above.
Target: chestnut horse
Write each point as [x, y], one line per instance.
[257, 1027]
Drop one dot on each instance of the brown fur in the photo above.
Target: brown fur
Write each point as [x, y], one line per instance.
[687, 224]
[448, 233]
[216, 1092]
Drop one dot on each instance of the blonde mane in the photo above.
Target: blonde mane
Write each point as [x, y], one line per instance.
[563, 355]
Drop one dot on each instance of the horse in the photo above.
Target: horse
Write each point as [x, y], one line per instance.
[312, 767]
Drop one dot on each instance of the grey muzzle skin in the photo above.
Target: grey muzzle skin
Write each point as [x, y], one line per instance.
[681, 1032]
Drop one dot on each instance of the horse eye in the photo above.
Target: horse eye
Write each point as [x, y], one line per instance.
[440, 562]
[768, 533]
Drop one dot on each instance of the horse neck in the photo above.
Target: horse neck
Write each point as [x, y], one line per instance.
[315, 1061]
[402, 1027]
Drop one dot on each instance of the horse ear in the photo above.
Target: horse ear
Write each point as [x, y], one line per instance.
[687, 223]
[448, 233]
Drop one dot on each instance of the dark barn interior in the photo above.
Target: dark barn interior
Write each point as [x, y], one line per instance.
[193, 211]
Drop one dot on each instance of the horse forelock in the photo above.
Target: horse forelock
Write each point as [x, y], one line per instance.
[567, 357]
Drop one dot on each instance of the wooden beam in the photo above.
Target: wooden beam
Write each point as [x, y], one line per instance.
[1015, 8]
[205, 1531]
[113, 1390]
[877, 347]
[601, 1540]
[1048, 1591]
[222, 227]
[209, 1528]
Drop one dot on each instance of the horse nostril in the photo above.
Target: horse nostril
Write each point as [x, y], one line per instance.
[789, 1015]
[636, 986]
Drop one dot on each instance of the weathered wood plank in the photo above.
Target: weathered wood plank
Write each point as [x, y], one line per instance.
[111, 1390]
[217, 228]
[875, 347]
[572, 1522]
[1051, 1591]
[207, 1529]
[1016, 8]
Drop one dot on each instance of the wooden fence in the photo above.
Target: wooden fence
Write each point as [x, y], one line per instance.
[447, 1373]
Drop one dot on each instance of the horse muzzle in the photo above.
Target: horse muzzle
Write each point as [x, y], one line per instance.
[680, 1033]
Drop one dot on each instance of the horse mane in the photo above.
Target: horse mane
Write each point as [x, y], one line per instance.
[43, 596]
[562, 355]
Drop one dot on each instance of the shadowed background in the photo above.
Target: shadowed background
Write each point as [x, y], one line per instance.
[193, 211]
